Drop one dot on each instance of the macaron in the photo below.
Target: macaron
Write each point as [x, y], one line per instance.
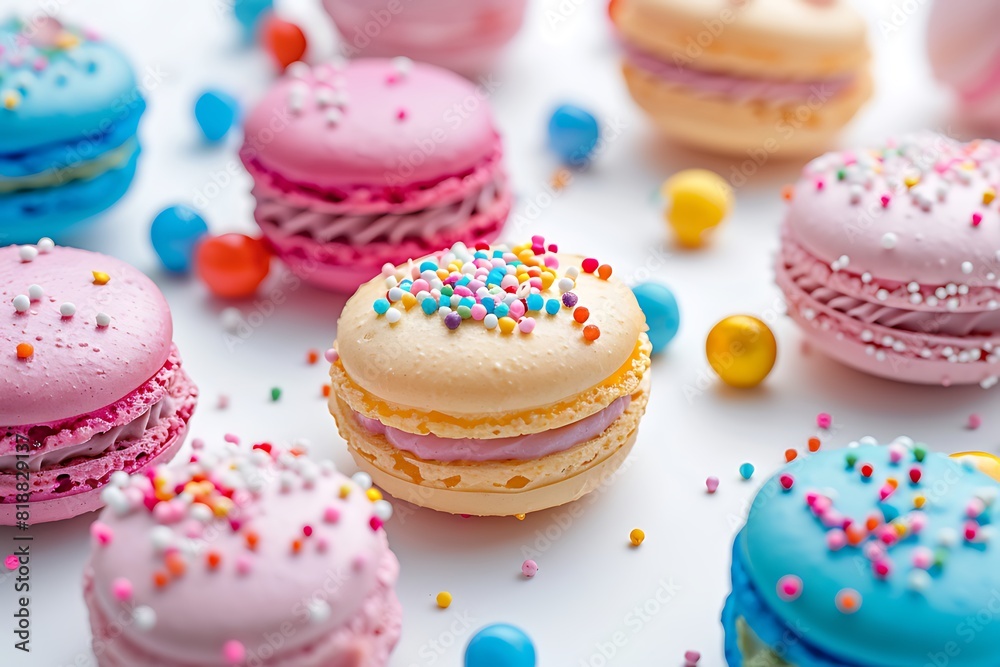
[869, 556]
[890, 259]
[69, 109]
[243, 556]
[91, 382]
[491, 381]
[373, 162]
[965, 55]
[461, 35]
[746, 78]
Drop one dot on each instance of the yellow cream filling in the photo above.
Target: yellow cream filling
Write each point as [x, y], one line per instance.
[77, 172]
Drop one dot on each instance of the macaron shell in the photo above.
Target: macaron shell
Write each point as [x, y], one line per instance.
[961, 43]
[783, 537]
[77, 367]
[765, 38]
[418, 362]
[394, 129]
[79, 90]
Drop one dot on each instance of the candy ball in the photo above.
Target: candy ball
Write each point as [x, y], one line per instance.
[250, 12]
[662, 314]
[742, 350]
[284, 40]
[697, 201]
[500, 645]
[175, 233]
[988, 464]
[232, 265]
[216, 113]
[573, 134]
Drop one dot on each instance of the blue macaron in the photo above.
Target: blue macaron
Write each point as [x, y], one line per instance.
[870, 556]
[69, 110]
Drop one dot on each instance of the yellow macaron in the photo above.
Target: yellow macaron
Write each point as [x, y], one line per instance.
[448, 408]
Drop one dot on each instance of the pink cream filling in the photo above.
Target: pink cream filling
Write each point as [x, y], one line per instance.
[745, 88]
[520, 448]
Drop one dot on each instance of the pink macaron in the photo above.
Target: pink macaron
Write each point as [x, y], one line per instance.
[964, 52]
[253, 557]
[890, 259]
[373, 162]
[90, 380]
[462, 35]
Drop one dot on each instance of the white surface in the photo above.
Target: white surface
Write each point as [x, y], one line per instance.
[591, 586]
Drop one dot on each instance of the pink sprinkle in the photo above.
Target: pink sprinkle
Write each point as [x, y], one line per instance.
[419, 285]
[307, 530]
[712, 484]
[691, 658]
[479, 312]
[918, 521]
[322, 545]
[331, 514]
[789, 588]
[359, 563]
[971, 530]
[529, 568]
[975, 421]
[833, 519]
[41, 62]
[375, 523]
[122, 589]
[923, 558]
[331, 355]
[881, 568]
[822, 505]
[824, 420]
[896, 453]
[811, 498]
[102, 533]
[787, 481]
[886, 491]
[402, 114]
[197, 443]
[975, 508]
[517, 309]
[243, 564]
[553, 247]
[885, 201]
[527, 325]
[234, 652]
[229, 437]
[168, 512]
[12, 562]
[976, 219]
[223, 402]
[551, 261]
[836, 540]
[888, 535]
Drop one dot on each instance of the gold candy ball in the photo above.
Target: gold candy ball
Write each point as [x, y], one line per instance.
[698, 200]
[742, 350]
[986, 463]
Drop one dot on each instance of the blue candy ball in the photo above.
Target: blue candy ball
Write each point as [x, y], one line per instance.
[216, 113]
[573, 134]
[175, 232]
[249, 12]
[500, 645]
[662, 315]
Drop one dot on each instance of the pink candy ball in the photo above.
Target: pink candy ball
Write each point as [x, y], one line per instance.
[529, 568]
[121, 589]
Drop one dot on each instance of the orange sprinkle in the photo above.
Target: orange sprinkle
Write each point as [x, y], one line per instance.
[814, 444]
[296, 546]
[175, 564]
[604, 272]
[101, 278]
[160, 579]
[791, 455]
[326, 391]
[788, 192]
[214, 558]
[252, 539]
[855, 534]
[581, 314]
[893, 482]
[25, 350]
[312, 357]
[519, 517]
[872, 523]
[591, 332]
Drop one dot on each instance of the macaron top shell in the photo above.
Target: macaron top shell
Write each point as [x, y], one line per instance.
[271, 542]
[420, 363]
[851, 611]
[77, 366]
[765, 38]
[372, 124]
[962, 46]
[58, 84]
[918, 210]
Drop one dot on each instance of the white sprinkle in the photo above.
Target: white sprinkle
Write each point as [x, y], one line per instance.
[319, 611]
[35, 292]
[333, 117]
[324, 97]
[232, 319]
[144, 617]
[866, 277]
[341, 98]
[966, 268]
[887, 341]
[67, 309]
[889, 240]
[22, 303]
[953, 304]
[882, 295]
[393, 315]
[989, 382]
[391, 281]
[951, 288]
[916, 298]
[566, 284]
[362, 479]
[45, 244]
[27, 253]
[200, 512]
[115, 498]
[119, 479]
[913, 287]
[867, 336]
[383, 510]
[963, 289]
[919, 580]
[809, 314]
[395, 294]
[941, 293]
[103, 320]
[403, 65]
[298, 70]
[490, 321]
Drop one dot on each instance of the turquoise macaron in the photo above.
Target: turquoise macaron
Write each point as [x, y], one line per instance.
[69, 111]
[869, 556]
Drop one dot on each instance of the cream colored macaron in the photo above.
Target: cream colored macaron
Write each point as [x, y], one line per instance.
[778, 76]
[491, 381]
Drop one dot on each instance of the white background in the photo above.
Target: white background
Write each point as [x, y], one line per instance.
[591, 584]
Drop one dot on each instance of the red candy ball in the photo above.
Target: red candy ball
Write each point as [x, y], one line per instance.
[284, 40]
[232, 265]
[590, 265]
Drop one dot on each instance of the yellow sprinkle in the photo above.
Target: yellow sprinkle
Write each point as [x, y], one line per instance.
[101, 278]
[900, 529]
[442, 273]
[636, 537]
[409, 301]
[547, 280]
[989, 196]
[519, 517]
[164, 495]
[520, 248]
[523, 277]
[67, 40]
[374, 494]
[223, 506]
[11, 100]
[919, 501]
[444, 599]
[911, 180]
[507, 325]
[345, 490]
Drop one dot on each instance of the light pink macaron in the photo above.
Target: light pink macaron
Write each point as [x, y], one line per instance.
[253, 557]
[90, 380]
[373, 162]
[462, 35]
[890, 259]
[964, 51]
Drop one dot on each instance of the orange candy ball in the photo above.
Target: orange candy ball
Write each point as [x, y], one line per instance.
[284, 40]
[591, 332]
[581, 314]
[604, 272]
[814, 444]
[791, 455]
[232, 265]
[25, 351]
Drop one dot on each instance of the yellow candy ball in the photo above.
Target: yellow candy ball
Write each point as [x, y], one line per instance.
[698, 200]
[636, 537]
[444, 599]
[986, 463]
[507, 324]
[742, 350]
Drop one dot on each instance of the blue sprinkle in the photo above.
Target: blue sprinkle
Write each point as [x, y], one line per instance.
[429, 305]
[573, 134]
[381, 306]
[216, 112]
[428, 266]
[746, 470]
[890, 512]
[467, 301]
[495, 276]
[552, 306]
[501, 310]
[481, 255]
[498, 253]
[406, 285]
[535, 302]
[490, 305]
[465, 280]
